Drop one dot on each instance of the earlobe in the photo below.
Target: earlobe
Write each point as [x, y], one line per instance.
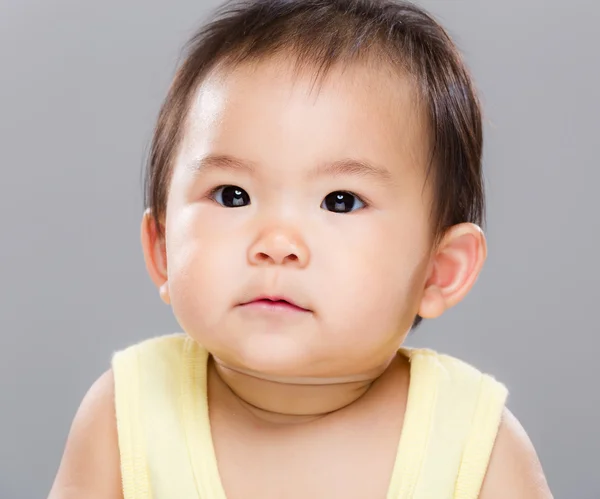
[155, 255]
[454, 270]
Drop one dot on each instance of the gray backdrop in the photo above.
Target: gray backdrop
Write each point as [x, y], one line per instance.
[80, 87]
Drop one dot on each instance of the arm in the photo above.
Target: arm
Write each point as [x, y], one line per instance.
[90, 465]
[514, 470]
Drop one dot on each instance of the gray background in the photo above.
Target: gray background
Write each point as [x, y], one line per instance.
[80, 87]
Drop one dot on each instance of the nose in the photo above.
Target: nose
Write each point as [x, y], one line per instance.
[279, 246]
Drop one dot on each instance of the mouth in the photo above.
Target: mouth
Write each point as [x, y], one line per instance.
[274, 303]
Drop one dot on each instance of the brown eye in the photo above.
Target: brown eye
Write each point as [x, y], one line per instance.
[231, 196]
[342, 202]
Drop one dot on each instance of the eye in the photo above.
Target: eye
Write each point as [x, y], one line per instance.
[230, 196]
[342, 202]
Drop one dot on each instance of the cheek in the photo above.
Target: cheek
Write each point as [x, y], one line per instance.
[377, 279]
[203, 274]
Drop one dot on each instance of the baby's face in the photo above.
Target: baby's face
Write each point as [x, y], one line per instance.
[349, 244]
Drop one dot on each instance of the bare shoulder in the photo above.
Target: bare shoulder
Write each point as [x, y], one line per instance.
[514, 470]
[90, 465]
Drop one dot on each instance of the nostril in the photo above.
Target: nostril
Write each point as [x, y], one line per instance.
[263, 257]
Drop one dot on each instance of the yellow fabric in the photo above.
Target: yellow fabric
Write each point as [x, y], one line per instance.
[451, 421]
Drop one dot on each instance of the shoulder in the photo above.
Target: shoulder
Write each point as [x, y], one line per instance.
[90, 465]
[514, 469]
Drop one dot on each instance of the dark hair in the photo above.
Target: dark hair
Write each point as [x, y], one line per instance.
[320, 33]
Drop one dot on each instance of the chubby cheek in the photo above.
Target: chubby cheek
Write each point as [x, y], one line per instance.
[203, 272]
[371, 304]
[372, 299]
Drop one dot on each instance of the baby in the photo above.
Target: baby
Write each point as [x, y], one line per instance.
[314, 191]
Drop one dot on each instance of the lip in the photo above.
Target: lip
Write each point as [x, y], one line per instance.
[269, 302]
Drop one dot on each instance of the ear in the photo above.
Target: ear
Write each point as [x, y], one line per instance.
[454, 269]
[155, 255]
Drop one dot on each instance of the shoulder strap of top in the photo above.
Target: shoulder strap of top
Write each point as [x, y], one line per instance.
[134, 468]
[153, 386]
[452, 417]
[481, 439]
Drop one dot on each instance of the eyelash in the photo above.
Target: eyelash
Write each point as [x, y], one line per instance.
[365, 203]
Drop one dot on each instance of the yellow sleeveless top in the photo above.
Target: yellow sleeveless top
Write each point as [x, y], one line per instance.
[452, 417]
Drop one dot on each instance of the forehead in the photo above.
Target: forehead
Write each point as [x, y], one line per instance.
[268, 112]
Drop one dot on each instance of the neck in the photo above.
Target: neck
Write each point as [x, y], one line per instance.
[295, 400]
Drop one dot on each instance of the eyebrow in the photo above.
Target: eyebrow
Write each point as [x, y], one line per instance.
[338, 168]
[220, 162]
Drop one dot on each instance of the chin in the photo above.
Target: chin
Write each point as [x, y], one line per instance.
[268, 355]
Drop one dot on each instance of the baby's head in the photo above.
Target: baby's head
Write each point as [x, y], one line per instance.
[325, 152]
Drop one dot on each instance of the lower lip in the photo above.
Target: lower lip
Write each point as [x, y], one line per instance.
[273, 306]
